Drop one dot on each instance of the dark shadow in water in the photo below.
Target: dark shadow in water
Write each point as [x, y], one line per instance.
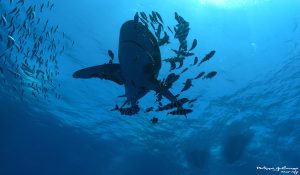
[236, 142]
[198, 158]
[35, 144]
[31, 147]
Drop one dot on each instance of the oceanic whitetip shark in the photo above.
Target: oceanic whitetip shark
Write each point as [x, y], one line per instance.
[138, 68]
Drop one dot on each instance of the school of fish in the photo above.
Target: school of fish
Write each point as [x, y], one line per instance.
[30, 49]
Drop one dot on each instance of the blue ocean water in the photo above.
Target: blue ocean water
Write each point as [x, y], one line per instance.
[246, 119]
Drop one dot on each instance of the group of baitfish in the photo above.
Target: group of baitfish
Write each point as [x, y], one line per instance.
[30, 49]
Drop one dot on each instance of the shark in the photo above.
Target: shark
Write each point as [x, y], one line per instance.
[139, 65]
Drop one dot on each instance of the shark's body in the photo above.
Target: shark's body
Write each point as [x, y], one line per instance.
[140, 62]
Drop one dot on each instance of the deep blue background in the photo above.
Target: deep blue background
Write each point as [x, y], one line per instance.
[247, 116]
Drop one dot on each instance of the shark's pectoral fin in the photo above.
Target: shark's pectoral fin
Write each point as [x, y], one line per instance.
[157, 87]
[106, 71]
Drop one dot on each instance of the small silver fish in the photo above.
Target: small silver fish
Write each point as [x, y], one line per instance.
[184, 70]
[187, 85]
[195, 61]
[13, 11]
[210, 75]
[21, 2]
[194, 45]
[181, 111]
[159, 17]
[10, 41]
[3, 19]
[207, 57]
[199, 75]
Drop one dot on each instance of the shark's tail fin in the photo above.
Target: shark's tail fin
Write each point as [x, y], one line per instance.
[106, 71]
